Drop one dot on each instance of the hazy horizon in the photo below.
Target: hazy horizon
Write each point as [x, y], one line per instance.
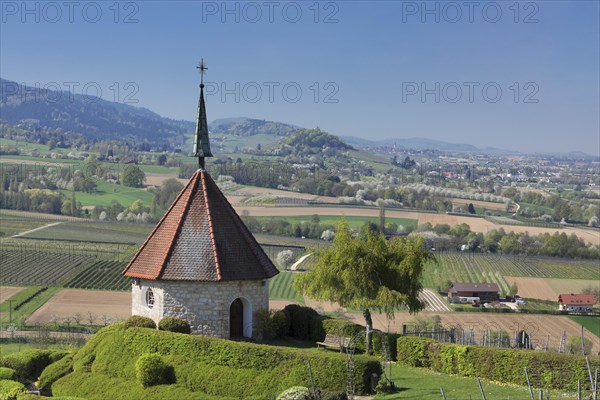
[492, 74]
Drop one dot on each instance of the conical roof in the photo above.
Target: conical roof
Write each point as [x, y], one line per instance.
[201, 238]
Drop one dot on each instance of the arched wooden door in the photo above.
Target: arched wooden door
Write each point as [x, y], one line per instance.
[236, 319]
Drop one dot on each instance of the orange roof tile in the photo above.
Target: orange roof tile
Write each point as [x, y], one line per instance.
[201, 238]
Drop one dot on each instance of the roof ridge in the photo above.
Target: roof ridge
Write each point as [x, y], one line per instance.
[156, 227]
[211, 228]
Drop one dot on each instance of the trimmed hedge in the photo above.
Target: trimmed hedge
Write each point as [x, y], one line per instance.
[9, 390]
[55, 371]
[137, 321]
[151, 370]
[207, 365]
[173, 324]
[7, 373]
[29, 364]
[546, 370]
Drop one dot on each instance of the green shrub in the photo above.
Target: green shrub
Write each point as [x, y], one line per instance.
[138, 321]
[300, 321]
[9, 390]
[263, 323]
[295, 393]
[173, 324]
[29, 364]
[151, 370]
[7, 373]
[55, 371]
[281, 324]
[547, 370]
[214, 367]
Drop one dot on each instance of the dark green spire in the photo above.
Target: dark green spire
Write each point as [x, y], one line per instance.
[201, 143]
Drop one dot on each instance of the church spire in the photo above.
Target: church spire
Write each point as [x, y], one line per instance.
[201, 144]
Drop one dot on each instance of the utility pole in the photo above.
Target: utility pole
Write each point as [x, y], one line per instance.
[10, 311]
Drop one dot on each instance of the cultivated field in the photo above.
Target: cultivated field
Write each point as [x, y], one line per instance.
[6, 292]
[534, 288]
[155, 179]
[69, 302]
[488, 205]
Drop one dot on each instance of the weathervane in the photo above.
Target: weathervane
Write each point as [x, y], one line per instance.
[201, 144]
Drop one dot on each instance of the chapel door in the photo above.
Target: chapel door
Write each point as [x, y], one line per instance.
[236, 319]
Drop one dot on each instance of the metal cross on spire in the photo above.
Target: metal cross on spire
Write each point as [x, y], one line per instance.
[201, 143]
[202, 68]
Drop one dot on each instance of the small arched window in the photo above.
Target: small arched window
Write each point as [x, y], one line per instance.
[149, 298]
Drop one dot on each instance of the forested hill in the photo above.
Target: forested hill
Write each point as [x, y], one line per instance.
[316, 138]
[250, 127]
[95, 118]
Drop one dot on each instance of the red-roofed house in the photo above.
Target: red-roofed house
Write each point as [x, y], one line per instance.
[576, 302]
[201, 263]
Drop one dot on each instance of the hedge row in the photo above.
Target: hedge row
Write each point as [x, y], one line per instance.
[546, 370]
[29, 364]
[207, 365]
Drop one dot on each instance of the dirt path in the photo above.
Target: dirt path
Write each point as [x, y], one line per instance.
[304, 257]
[36, 229]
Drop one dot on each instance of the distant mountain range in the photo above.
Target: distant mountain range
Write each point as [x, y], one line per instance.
[422, 144]
[99, 119]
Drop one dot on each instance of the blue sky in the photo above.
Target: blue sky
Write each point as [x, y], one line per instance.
[521, 76]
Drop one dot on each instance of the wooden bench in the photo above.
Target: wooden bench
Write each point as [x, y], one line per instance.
[335, 341]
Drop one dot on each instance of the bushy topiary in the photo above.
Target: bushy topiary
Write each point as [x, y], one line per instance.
[55, 371]
[300, 320]
[7, 373]
[9, 390]
[29, 364]
[295, 393]
[173, 324]
[151, 370]
[138, 321]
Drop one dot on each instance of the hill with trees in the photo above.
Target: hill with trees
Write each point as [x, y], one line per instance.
[36, 110]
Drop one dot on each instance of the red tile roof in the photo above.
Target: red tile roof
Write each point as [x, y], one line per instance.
[578, 299]
[201, 238]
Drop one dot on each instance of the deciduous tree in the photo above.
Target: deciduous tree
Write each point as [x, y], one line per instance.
[368, 272]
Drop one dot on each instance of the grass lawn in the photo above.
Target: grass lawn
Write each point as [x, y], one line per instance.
[592, 324]
[353, 221]
[109, 232]
[422, 384]
[107, 192]
[10, 348]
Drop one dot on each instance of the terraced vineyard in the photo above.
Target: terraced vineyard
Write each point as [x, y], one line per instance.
[39, 268]
[481, 268]
[101, 275]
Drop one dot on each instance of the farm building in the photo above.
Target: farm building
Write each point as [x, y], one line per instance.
[201, 263]
[576, 302]
[487, 292]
